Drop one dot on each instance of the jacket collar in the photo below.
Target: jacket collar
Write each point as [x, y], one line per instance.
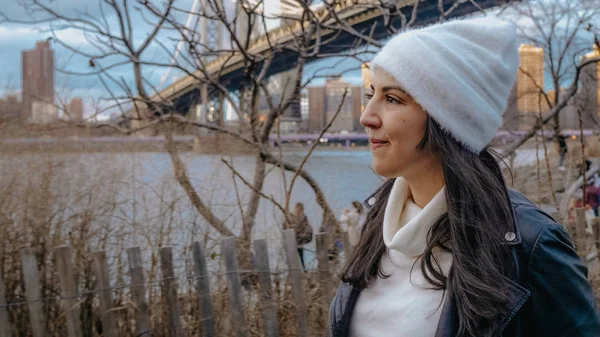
[512, 236]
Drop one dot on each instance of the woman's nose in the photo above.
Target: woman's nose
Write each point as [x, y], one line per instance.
[369, 118]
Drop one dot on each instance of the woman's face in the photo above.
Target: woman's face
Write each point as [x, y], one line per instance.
[396, 126]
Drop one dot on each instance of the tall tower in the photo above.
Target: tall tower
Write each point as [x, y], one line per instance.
[316, 109]
[530, 78]
[589, 95]
[38, 77]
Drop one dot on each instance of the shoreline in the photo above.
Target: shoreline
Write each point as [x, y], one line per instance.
[207, 145]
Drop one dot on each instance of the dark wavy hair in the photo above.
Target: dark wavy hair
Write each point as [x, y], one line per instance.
[473, 229]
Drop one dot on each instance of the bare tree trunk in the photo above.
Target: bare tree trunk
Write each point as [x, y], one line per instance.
[190, 191]
[250, 214]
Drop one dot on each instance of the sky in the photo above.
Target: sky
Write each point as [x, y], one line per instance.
[17, 37]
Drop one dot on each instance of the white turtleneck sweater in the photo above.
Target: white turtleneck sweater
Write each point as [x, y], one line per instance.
[403, 305]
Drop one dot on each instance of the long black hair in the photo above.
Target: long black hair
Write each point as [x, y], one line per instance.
[473, 229]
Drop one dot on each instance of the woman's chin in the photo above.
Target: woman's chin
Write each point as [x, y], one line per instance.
[384, 170]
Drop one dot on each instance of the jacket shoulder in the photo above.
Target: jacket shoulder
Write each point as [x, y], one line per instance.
[530, 221]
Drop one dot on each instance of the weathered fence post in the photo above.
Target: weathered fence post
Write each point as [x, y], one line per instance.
[33, 292]
[324, 272]
[296, 274]
[556, 216]
[580, 234]
[138, 292]
[203, 289]
[347, 246]
[597, 234]
[169, 284]
[235, 288]
[107, 315]
[70, 299]
[266, 289]
[5, 328]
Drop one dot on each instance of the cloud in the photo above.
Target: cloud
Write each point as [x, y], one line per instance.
[72, 37]
[8, 33]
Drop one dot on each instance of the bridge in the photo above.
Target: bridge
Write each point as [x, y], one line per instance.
[187, 94]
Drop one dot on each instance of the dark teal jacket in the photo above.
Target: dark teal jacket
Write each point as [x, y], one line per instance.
[552, 296]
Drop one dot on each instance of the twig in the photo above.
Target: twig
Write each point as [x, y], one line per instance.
[236, 173]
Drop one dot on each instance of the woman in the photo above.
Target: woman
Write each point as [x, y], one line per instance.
[447, 249]
[352, 220]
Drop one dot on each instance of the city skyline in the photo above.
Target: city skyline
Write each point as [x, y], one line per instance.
[17, 37]
[14, 35]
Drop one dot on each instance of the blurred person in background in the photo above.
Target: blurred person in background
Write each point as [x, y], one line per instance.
[352, 220]
[562, 150]
[302, 228]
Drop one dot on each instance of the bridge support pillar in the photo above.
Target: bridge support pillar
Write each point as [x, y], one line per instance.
[220, 110]
[202, 109]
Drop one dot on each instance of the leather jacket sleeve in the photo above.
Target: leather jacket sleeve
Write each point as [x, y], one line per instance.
[563, 300]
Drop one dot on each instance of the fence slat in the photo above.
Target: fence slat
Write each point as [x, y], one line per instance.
[33, 292]
[597, 234]
[169, 285]
[203, 289]
[5, 328]
[347, 246]
[138, 292]
[580, 235]
[324, 273]
[68, 290]
[556, 216]
[266, 289]
[296, 274]
[107, 315]
[235, 287]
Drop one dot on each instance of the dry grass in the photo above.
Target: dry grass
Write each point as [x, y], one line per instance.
[50, 200]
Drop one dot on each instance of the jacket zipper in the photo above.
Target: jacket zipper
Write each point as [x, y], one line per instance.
[331, 319]
[330, 327]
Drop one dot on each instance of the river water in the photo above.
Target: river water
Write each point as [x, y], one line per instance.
[152, 203]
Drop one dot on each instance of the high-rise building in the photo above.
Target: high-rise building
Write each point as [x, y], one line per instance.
[525, 100]
[316, 111]
[325, 101]
[530, 78]
[588, 97]
[76, 109]
[38, 77]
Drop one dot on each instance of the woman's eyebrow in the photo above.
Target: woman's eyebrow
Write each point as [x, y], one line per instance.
[388, 88]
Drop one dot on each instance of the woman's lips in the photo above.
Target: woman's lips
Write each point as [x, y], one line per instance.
[377, 143]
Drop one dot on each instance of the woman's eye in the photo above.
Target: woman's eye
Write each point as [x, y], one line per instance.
[368, 96]
[392, 100]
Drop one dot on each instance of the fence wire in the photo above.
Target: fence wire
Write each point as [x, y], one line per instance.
[157, 283]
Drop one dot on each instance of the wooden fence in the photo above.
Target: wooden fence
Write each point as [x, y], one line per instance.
[70, 299]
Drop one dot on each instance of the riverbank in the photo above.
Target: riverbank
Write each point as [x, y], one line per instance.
[215, 144]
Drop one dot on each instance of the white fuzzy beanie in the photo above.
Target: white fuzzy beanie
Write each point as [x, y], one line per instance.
[461, 72]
